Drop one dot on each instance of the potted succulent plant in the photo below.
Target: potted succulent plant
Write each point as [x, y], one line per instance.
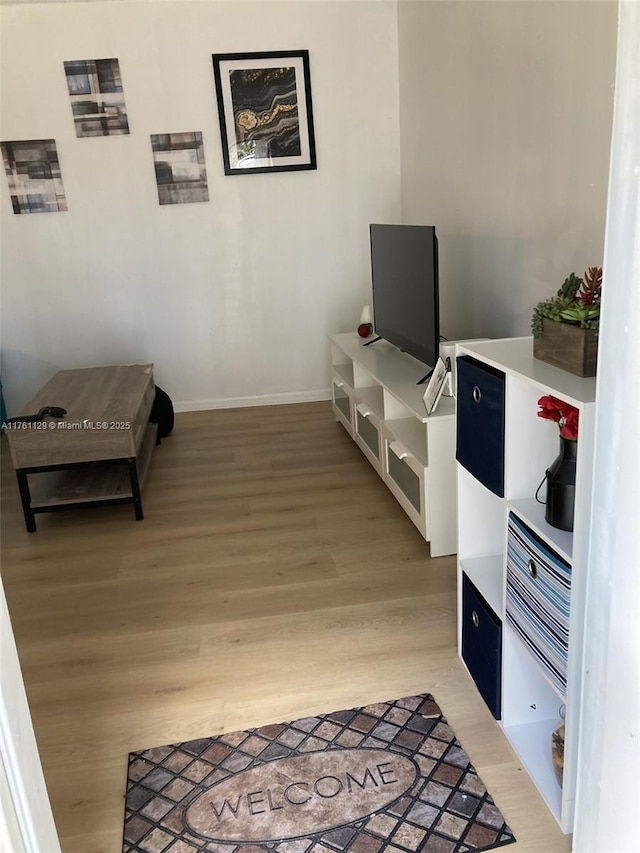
[565, 327]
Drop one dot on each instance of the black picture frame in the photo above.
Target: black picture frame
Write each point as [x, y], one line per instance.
[265, 111]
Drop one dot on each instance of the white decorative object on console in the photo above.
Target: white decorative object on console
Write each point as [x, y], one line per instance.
[522, 582]
[376, 398]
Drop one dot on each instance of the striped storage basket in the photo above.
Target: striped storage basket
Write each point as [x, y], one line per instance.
[539, 599]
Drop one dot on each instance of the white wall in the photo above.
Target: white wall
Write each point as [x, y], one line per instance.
[231, 299]
[505, 114]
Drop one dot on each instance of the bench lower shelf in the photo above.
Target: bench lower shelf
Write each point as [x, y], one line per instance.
[114, 481]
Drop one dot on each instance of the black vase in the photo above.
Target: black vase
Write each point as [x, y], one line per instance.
[561, 486]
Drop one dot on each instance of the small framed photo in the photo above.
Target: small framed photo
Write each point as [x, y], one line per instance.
[265, 111]
[435, 387]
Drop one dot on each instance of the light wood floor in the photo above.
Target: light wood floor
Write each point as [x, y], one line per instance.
[274, 576]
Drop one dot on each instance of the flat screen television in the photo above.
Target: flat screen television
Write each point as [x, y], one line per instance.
[404, 273]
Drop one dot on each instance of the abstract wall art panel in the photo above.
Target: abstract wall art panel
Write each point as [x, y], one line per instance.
[97, 98]
[34, 177]
[265, 112]
[180, 170]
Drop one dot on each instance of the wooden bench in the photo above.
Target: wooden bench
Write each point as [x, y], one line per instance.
[98, 453]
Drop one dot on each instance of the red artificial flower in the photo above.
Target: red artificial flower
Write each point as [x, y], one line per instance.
[564, 414]
[551, 408]
[569, 429]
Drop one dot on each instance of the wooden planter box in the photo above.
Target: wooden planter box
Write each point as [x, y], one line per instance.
[569, 347]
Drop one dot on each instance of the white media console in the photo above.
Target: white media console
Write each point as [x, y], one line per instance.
[376, 398]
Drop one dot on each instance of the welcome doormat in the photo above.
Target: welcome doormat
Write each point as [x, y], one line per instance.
[387, 777]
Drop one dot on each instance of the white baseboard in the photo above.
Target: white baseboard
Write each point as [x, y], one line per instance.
[262, 400]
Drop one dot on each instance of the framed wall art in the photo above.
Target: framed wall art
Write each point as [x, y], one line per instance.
[265, 111]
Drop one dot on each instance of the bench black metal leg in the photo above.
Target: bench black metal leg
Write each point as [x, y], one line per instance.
[135, 488]
[25, 497]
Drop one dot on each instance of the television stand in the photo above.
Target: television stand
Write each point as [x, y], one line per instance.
[376, 398]
[373, 341]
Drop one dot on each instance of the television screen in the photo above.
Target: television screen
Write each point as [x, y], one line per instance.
[404, 270]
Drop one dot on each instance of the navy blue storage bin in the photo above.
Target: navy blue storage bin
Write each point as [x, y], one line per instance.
[480, 422]
[482, 645]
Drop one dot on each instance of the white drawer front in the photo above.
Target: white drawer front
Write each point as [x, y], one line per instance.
[404, 476]
[342, 404]
[367, 433]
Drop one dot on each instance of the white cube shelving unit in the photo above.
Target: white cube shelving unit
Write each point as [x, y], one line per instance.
[531, 700]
